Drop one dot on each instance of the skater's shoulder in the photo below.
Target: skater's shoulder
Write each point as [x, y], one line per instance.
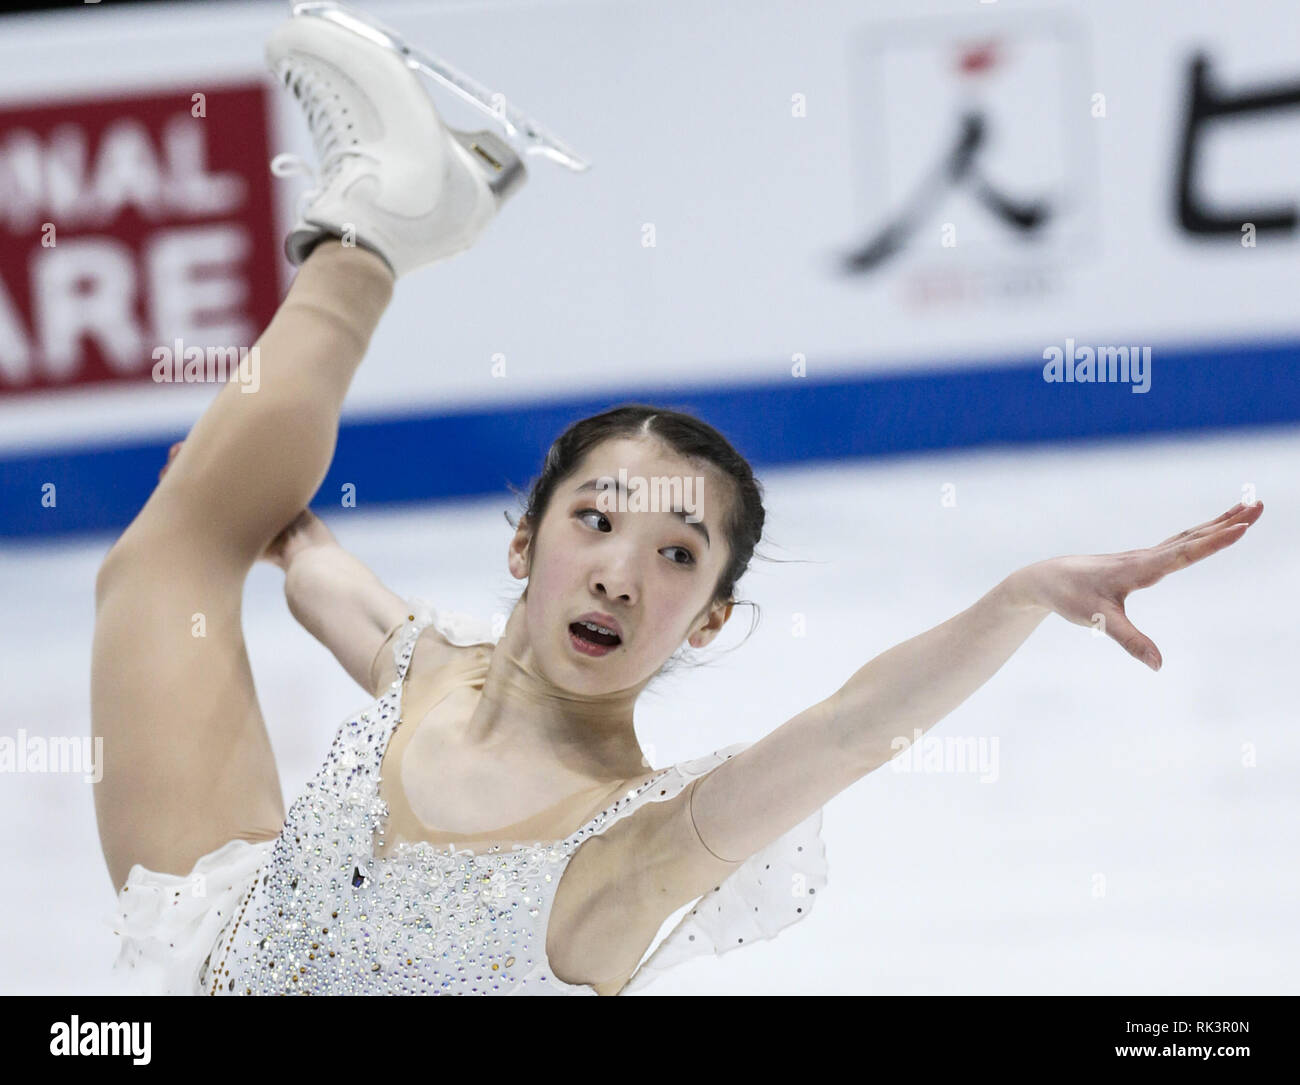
[428, 644]
[436, 653]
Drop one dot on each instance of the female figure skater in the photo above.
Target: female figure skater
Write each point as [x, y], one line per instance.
[489, 823]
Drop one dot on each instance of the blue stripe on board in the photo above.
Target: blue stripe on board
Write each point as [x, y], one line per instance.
[464, 453]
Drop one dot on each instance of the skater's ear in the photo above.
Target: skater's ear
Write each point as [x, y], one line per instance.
[519, 557]
[703, 632]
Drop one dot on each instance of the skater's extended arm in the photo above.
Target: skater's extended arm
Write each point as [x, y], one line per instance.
[770, 787]
[773, 785]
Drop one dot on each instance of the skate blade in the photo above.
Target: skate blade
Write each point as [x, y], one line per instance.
[535, 136]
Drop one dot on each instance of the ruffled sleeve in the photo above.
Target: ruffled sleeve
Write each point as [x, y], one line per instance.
[169, 923]
[772, 889]
[459, 628]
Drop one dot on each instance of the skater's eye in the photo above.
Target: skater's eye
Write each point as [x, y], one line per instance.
[687, 561]
[595, 512]
[690, 558]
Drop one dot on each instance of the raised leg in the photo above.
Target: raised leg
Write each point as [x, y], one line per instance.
[187, 761]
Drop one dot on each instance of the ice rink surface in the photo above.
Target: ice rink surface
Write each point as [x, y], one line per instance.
[1138, 834]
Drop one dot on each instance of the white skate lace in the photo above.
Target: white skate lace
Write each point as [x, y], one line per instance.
[292, 165]
[326, 136]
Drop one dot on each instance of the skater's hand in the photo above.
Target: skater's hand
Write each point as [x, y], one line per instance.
[171, 455]
[305, 530]
[1090, 590]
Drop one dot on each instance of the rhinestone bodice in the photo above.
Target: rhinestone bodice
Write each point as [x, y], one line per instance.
[326, 916]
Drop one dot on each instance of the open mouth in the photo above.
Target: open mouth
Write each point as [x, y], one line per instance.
[593, 637]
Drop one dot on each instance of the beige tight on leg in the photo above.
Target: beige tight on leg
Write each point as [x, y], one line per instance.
[187, 763]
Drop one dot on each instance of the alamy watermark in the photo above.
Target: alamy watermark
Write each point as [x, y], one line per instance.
[39, 753]
[195, 365]
[1098, 365]
[659, 493]
[946, 753]
[78, 1037]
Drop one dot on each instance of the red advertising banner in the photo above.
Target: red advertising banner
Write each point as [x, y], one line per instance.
[129, 222]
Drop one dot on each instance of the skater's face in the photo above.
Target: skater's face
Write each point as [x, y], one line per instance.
[611, 543]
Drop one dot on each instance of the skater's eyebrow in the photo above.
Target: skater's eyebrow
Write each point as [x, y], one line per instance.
[592, 484]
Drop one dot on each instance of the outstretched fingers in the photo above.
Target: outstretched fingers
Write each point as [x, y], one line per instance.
[1239, 512]
[1155, 564]
[1197, 547]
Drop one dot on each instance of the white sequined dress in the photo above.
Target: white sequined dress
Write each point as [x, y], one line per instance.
[313, 911]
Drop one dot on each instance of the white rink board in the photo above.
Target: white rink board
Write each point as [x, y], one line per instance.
[686, 111]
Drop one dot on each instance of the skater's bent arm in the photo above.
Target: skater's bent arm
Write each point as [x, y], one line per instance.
[345, 606]
[778, 782]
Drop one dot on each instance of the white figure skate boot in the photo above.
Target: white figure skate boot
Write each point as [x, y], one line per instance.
[394, 178]
[536, 138]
